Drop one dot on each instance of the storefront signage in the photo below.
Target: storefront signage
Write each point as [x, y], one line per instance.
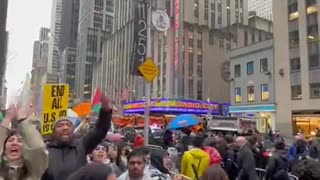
[173, 103]
[173, 106]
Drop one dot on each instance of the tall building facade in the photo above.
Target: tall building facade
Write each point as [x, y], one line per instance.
[68, 43]
[263, 8]
[63, 34]
[69, 24]
[54, 51]
[3, 50]
[39, 68]
[44, 34]
[113, 72]
[69, 56]
[297, 62]
[184, 56]
[252, 87]
[95, 25]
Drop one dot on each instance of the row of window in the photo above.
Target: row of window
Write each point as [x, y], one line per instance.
[264, 88]
[296, 91]
[250, 67]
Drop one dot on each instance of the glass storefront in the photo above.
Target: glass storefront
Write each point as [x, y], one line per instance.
[264, 122]
[306, 124]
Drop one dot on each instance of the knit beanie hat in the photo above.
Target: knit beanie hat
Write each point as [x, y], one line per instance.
[61, 119]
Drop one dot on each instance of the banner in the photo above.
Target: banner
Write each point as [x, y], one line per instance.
[55, 105]
[140, 37]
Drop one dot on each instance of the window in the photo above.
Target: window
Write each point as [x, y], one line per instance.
[237, 92]
[264, 92]
[219, 19]
[237, 70]
[296, 92]
[211, 39]
[310, 2]
[199, 59]
[206, 3]
[228, 19]
[260, 36]
[206, 14]
[190, 63]
[97, 21]
[294, 38]
[199, 90]
[196, 8]
[199, 71]
[250, 93]
[221, 43]
[314, 61]
[253, 37]
[108, 23]
[295, 64]
[109, 5]
[190, 42]
[245, 38]
[219, 7]
[190, 88]
[264, 65]
[228, 46]
[213, 20]
[199, 45]
[315, 90]
[213, 7]
[250, 68]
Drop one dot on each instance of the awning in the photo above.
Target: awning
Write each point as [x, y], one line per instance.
[253, 108]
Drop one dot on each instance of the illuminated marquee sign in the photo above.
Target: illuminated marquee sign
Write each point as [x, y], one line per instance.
[175, 106]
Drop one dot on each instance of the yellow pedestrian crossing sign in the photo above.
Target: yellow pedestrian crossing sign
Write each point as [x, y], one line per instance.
[149, 70]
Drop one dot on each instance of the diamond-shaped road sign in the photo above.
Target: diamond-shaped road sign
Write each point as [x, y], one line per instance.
[149, 70]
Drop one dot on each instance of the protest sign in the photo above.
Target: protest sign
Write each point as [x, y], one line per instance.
[55, 105]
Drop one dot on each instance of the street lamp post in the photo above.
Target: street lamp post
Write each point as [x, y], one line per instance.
[148, 85]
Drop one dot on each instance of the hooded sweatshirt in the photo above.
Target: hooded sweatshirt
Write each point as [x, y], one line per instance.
[157, 168]
[92, 171]
[197, 158]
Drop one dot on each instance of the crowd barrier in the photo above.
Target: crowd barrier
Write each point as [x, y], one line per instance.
[262, 174]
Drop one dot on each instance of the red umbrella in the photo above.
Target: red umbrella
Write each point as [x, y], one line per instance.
[114, 137]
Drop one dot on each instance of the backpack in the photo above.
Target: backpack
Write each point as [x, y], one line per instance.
[230, 164]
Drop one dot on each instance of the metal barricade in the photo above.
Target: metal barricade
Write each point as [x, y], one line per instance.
[261, 173]
[293, 177]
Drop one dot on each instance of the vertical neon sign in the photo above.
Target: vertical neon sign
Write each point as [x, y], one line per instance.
[176, 39]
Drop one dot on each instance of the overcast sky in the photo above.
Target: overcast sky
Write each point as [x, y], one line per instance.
[25, 17]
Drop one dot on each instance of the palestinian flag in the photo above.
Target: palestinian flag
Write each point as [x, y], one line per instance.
[95, 104]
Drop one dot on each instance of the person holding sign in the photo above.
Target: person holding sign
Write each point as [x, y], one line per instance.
[66, 154]
[23, 153]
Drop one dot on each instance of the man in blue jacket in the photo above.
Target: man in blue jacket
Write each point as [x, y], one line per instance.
[66, 154]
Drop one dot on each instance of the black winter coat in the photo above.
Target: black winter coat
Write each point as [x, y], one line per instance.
[247, 165]
[66, 159]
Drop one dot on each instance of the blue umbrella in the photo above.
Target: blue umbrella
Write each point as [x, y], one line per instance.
[182, 121]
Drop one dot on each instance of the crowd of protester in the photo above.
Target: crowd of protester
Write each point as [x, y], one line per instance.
[25, 155]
